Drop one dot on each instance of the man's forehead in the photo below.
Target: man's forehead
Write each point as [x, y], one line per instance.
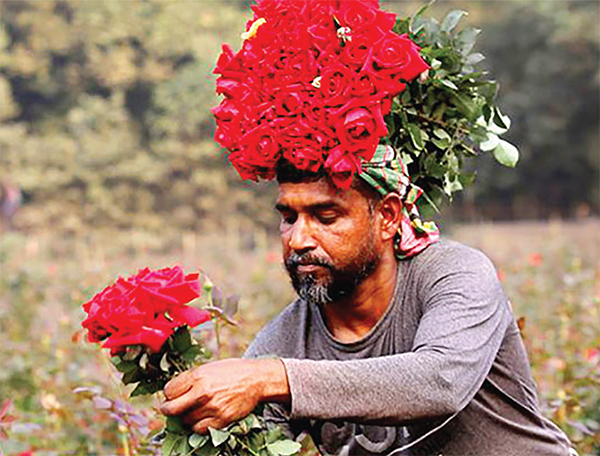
[315, 193]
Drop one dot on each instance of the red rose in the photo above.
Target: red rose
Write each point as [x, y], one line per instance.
[356, 14]
[306, 158]
[135, 310]
[290, 103]
[342, 166]
[364, 84]
[399, 56]
[358, 51]
[259, 150]
[359, 124]
[318, 11]
[301, 67]
[335, 83]
[324, 37]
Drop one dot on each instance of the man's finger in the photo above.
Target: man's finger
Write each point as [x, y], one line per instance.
[196, 415]
[179, 385]
[201, 427]
[180, 404]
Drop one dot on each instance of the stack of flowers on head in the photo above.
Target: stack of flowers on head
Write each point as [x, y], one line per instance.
[144, 309]
[311, 85]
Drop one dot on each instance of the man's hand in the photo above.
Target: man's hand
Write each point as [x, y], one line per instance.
[221, 392]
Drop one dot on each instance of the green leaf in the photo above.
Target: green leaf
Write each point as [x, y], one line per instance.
[284, 448]
[197, 440]
[192, 353]
[169, 444]
[501, 121]
[175, 425]
[490, 143]
[182, 340]
[415, 135]
[441, 143]
[449, 84]
[218, 436]
[452, 19]
[165, 365]
[132, 376]
[141, 389]
[475, 58]
[506, 154]
[125, 366]
[467, 39]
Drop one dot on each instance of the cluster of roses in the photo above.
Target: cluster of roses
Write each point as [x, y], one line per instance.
[311, 85]
[144, 309]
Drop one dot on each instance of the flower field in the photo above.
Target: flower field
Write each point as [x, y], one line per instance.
[61, 396]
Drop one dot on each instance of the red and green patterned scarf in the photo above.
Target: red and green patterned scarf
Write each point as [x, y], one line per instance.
[386, 173]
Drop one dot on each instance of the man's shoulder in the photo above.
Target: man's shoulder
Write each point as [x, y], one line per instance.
[447, 254]
[281, 336]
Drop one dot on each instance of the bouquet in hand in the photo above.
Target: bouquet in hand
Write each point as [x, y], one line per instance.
[145, 321]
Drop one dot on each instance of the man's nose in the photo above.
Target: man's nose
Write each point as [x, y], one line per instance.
[301, 237]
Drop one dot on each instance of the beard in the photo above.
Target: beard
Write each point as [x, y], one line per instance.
[338, 282]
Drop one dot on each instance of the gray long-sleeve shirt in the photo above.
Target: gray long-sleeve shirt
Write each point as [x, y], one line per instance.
[444, 371]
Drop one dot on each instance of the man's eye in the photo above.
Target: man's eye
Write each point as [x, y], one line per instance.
[327, 218]
[288, 219]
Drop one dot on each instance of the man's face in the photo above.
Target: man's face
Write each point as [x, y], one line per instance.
[330, 244]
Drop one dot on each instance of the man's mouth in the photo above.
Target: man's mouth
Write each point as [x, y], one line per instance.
[308, 268]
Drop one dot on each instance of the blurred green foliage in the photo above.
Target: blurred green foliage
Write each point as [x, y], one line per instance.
[105, 110]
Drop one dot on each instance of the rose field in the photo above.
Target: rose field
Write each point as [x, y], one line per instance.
[60, 396]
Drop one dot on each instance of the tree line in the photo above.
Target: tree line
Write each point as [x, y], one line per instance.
[105, 121]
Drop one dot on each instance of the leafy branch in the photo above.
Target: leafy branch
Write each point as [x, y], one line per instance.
[449, 114]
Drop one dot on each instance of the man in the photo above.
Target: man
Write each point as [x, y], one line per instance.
[379, 355]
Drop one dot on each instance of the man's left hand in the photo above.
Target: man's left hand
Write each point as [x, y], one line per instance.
[218, 393]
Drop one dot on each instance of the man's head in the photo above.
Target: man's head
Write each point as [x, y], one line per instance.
[334, 240]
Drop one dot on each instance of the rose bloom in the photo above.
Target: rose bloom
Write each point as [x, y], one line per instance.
[143, 309]
[342, 166]
[359, 125]
[400, 56]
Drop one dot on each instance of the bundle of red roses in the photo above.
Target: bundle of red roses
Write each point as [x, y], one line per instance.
[311, 85]
[144, 309]
[144, 320]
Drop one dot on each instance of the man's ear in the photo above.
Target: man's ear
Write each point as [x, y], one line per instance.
[390, 211]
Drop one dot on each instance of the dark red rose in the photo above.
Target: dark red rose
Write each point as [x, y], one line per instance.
[342, 166]
[224, 59]
[261, 148]
[290, 103]
[319, 11]
[305, 158]
[400, 56]
[359, 124]
[335, 83]
[356, 14]
[324, 37]
[143, 309]
[364, 84]
[301, 67]
[358, 51]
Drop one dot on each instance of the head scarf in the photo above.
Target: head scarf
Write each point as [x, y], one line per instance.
[386, 173]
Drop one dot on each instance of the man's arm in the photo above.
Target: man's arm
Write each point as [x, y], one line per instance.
[465, 316]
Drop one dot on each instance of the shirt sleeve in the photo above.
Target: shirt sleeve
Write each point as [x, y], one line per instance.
[465, 317]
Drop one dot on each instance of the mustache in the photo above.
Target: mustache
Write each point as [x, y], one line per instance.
[295, 260]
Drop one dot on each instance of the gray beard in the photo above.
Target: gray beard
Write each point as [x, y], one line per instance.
[342, 283]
